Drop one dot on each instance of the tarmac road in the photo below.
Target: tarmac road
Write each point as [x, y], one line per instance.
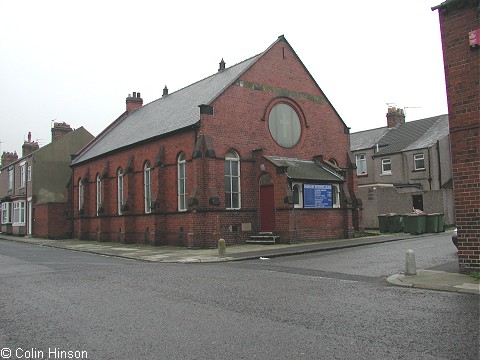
[115, 308]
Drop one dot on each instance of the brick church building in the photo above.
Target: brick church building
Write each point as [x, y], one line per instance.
[256, 148]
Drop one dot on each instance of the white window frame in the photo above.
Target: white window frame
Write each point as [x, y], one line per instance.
[29, 172]
[386, 162]
[299, 186]
[147, 187]
[361, 162]
[6, 213]
[182, 182]
[119, 191]
[23, 174]
[99, 194]
[18, 213]
[80, 194]
[417, 158]
[232, 164]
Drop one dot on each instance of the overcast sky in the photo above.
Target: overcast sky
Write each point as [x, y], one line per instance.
[77, 61]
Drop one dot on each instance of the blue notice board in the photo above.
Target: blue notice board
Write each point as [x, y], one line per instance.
[317, 196]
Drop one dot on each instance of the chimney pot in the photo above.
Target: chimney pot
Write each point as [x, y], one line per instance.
[165, 91]
[8, 158]
[133, 102]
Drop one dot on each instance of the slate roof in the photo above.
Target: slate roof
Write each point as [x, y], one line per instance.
[412, 135]
[366, 139]
[175, 111]
[305, 169]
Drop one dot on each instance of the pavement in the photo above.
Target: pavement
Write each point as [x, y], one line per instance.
[445, 277]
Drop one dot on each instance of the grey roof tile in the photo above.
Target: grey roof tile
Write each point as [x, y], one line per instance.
[305, 169]
[173, 112]
[412, 135]
[366, 139]
[436, 132]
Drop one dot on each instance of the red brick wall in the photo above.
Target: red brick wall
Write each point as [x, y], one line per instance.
[246, 127]
[239, 122]
[462, 69]
[51, 221]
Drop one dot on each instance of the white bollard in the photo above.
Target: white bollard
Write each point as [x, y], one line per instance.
[222, 248]
[410, 266]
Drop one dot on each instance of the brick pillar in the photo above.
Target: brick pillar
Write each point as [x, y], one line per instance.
[462, 66]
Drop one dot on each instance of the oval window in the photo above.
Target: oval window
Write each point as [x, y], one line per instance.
[284, 125]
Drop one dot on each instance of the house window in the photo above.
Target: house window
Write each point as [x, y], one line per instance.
[99, 193]
[22, 175]
[19, 213]
[297, 195]
[6, 213]
[182, 180]
[119, 191]
[232, 180]
[29, 172]
[361, 162]
[80, 194]
[10, 179]
[419, 161]
[147, 185]
[386, 166]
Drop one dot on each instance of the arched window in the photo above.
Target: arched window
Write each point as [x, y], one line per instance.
[80, 194]
[335, 196]
[297, 195]
[99, 193]
[119, 191]
[147, 184]
[232, 180]
[182, 182]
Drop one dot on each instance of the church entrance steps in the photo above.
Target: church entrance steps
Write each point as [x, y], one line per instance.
[263, 238]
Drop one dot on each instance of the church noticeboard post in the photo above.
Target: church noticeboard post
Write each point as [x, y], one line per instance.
[317, 196]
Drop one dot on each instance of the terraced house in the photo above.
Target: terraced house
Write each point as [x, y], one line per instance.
[34, 188]
[255, 149]
[404, 165]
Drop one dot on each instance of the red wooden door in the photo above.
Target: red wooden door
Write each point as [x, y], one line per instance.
[267, 210]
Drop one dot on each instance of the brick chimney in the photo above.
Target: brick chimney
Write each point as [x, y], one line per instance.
[8, 158]
[395, 117]
[134, 102]
[60, 129]
[29, 146]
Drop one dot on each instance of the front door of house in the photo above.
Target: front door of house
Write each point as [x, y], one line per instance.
[267, 206]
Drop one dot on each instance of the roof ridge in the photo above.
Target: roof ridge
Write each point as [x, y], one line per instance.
[205, 78]
[362, 131]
